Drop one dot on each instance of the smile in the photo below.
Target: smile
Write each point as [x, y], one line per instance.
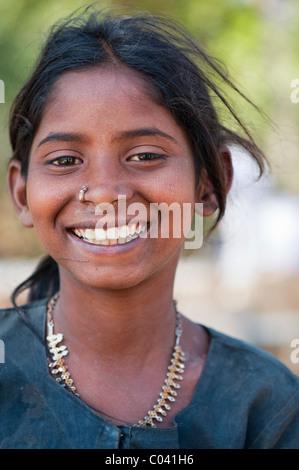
[112, 236]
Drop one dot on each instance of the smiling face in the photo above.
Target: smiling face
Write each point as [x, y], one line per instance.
[102, 128]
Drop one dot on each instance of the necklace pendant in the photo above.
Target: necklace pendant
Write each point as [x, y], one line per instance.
[161, 402]
[54, 339]
[160, 410]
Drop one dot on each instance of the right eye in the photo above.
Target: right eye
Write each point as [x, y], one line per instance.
[65, 161]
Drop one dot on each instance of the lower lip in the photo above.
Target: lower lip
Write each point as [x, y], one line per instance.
[107, 249]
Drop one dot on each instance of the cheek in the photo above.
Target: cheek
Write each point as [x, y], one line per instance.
[174, 185]
[45, 201]
[172, 196]
[40, 202]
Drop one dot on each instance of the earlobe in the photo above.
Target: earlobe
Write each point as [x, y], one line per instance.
[16, 184]
[206, 191]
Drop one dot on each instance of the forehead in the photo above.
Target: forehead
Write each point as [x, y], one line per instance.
[101, 85]
[107, 76]
[108, 98]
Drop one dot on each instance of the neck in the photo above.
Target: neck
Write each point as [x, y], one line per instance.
[117, 323]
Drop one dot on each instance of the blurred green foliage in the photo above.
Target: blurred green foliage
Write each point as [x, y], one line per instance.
[256, 40]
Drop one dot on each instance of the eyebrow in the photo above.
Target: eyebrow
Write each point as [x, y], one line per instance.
[146, 131]
[62, 137]
[79, 138]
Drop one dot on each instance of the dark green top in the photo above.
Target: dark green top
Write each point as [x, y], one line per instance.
[245, 398]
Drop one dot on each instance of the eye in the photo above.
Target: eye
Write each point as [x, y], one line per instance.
[146, 157]
[65, 161]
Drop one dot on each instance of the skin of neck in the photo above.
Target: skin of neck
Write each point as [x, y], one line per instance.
[120, 323]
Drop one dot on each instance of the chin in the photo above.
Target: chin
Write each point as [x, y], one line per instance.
[112, 282]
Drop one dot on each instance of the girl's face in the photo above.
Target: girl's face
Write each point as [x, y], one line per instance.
[102, 129]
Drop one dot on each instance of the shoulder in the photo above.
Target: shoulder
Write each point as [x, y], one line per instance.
[16, 324]
[260, 391]
[22, 332]
[251, 362]
[12, 314]
[257, 376]
[245, 398]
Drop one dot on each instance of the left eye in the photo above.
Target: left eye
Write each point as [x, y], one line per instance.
[145, 157]
[65, 161]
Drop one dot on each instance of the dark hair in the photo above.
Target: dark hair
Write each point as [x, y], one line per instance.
[166, 56]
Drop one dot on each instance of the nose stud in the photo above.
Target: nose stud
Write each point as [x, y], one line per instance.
[82, 192]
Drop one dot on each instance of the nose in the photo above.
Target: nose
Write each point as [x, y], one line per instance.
[106, 184]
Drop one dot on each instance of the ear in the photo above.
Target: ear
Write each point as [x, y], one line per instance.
[16, 184]
[206, 192]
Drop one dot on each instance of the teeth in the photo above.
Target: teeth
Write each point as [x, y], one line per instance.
[100, 234]
[123, 231]
[132, 229]
[89, 234]
[111, 236]
[112, 233]
[78, 232]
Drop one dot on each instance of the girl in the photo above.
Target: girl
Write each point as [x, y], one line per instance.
[118, 115]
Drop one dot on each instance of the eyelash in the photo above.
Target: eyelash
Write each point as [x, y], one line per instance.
[150, 156]
[65, 161]
[59, 161]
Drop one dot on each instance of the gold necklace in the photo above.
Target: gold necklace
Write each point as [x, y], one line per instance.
[175, 370]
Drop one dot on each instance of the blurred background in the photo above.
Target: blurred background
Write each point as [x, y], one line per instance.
[244, 281]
